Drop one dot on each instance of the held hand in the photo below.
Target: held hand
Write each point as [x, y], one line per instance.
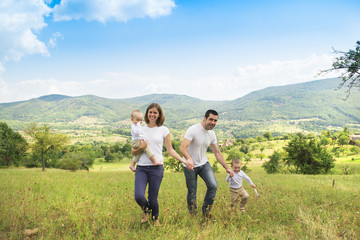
[230, 172]
[254, 186]
[189, 164]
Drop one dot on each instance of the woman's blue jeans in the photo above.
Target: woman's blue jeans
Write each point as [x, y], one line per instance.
[207, 174]
[153, 176]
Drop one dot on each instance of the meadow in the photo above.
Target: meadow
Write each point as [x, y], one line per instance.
[99, 204]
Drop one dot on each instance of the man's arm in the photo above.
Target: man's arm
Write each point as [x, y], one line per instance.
[183, 150]
[220, 158]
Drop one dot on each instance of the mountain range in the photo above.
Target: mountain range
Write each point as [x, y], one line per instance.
[316, 100]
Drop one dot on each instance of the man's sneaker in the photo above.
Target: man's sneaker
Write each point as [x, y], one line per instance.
[242, 209]
[145, 217]
[207, 215]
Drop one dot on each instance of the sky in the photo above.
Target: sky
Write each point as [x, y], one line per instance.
[211, 50]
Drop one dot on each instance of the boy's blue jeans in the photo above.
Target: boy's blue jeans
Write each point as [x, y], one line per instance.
[207, 174]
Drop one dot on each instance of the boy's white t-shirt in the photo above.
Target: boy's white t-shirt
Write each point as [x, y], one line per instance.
[236, 180]
[154, 137]
[200, 141]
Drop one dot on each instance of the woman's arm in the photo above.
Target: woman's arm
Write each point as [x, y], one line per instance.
[173, 153]
[138, 150]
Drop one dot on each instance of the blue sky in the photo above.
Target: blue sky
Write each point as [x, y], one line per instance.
[212, 50]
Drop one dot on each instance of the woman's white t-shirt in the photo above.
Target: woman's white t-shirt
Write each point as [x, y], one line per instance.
[154, 137]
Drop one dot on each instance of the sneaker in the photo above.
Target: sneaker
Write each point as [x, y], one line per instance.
[207, 215]
[242, 209]
[156, 223]
[145, 217]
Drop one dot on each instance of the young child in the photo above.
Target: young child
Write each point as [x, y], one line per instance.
[238, 194]
[138, 136]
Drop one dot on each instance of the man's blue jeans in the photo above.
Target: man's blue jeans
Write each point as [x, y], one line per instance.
[207, 174]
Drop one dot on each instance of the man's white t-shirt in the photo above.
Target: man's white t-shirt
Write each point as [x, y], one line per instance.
[154, 137]
[200, 141]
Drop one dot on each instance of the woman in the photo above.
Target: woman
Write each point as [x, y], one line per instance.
[146, 173]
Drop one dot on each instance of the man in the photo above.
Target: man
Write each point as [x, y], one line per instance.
[193, 147]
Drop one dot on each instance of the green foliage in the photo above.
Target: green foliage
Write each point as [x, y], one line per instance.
[172, 164]
[343, 140]
[325, 140]
[245, 148]
[13, 146]
[350, 62]
[234, 153]
[308, 156]
[46, 144]
[274, 164]
[215, 167]
[267, 135]
[77, 160]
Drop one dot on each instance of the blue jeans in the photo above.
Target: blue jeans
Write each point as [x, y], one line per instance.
[207, 174]
[153, 176]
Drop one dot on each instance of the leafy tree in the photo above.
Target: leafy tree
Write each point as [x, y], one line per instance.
[13, 146]
[273, 165]
[308, 156]
[267, 135]
[325, 141]
[261, 156]
[245, 148]
[233, 154]
[45, 141]
[349, 64]
[343, 140]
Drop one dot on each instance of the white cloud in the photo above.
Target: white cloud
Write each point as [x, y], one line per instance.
[53, 39]
[110, 10]
[278, 73]
[222, 87]
[19, 21]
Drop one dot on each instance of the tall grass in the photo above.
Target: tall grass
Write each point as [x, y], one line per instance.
[100, 205]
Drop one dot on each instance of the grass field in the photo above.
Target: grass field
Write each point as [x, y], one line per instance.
[100, 205]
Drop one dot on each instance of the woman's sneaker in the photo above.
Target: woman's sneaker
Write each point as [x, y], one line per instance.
[145, 217]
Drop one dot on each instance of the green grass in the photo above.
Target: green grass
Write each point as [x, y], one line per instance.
[100, 205]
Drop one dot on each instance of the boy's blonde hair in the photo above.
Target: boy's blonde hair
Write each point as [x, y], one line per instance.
[236, 161]
[136, 113]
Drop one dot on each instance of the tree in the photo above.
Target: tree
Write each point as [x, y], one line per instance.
[233, 154]
[267, 135]
[349, 63]
[45, 141]
[273, 165]
[308, 156]
[13, 146]
[343, 140]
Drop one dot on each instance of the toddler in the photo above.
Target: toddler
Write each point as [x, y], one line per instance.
[238, 194]
[138, 137]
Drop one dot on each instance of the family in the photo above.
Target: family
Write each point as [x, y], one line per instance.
[147, 144]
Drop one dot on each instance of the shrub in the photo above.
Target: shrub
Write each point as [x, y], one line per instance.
[274, 164]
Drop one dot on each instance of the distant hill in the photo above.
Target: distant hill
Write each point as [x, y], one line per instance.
[310, 100]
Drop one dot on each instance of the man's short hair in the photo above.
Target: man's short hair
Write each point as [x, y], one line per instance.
[210, 111]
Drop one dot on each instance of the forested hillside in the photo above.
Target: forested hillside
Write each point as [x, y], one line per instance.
[316, 103]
